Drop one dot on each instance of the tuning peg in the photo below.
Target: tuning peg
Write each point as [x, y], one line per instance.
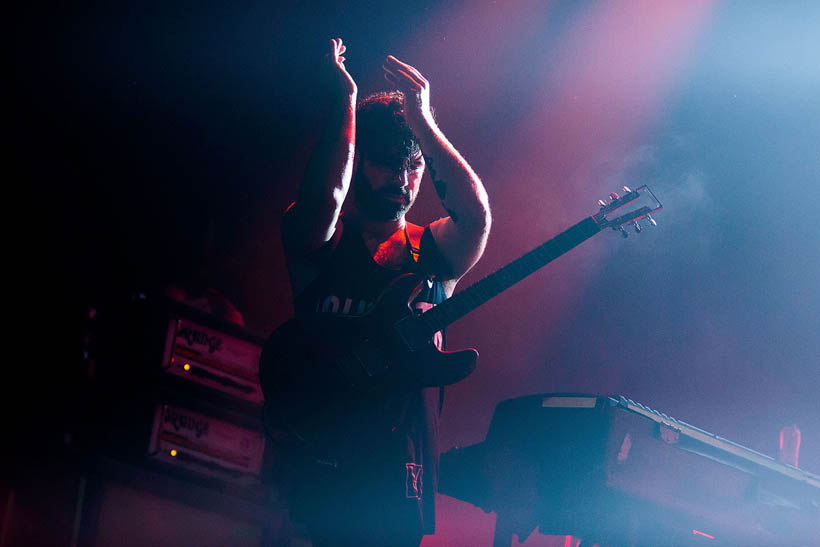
[638, 226]
[623, 232]
[602, 203]
[651, 220]
[626, 189]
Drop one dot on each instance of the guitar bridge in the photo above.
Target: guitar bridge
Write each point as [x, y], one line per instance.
[365, 361]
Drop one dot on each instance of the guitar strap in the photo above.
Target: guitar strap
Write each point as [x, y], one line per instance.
[413, 235]
[413, 238]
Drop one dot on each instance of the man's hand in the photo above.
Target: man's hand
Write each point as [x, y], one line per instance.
[416, 91]
[346, 84]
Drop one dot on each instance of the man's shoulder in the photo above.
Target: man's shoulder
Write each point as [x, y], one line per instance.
[414, 231]
[421, 236]
[431, 259]
[297, 246]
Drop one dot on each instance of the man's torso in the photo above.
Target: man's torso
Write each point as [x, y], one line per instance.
[390, 439]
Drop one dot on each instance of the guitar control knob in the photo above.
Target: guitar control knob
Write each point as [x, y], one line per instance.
[651, 220]
[602, 203]
[626, 189]
[623, 232]
[613, 195]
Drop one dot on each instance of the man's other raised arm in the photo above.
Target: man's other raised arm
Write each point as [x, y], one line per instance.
[311, 220]
[462, 236]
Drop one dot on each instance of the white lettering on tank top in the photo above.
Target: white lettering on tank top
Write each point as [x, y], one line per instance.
[333, 304]
[349, 307]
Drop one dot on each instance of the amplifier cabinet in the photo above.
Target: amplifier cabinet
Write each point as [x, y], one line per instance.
[183, 438]
[147, 341]
[213, 358]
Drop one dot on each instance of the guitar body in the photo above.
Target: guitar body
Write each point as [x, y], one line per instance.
[317, 373]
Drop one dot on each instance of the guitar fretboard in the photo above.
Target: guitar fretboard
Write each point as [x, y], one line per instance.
[497, 282]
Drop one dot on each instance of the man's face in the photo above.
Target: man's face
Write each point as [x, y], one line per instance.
[386, 191]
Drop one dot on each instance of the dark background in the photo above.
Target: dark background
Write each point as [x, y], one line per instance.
[161, 143]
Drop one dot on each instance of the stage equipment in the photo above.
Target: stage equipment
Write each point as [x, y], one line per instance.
[163, 441]
[177, 389]
[174, 395]
[615, 472]
[206, 445]
[146, 340]
[213, 358]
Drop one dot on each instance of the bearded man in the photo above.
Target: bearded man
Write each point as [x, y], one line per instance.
[346, 239]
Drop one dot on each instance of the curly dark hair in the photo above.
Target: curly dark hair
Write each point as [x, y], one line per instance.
[382, 134]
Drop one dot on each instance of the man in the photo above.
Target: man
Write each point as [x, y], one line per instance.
[380, 487]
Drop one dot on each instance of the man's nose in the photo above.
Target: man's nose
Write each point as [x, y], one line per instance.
[401, 178]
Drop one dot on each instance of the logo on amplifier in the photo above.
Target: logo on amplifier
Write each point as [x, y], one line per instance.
[181, 421]
[193, 336]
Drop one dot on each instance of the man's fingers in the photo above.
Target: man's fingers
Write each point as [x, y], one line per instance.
[395, 63]
[337, 47]
[415, 84]
[393, 79]
[333, 54]
[403, 76]
[401, 85]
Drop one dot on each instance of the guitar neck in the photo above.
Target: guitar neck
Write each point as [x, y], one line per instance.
[497, 282]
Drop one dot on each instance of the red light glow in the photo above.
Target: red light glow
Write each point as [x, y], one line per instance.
[704, 534]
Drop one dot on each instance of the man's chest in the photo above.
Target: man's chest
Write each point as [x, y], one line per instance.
[392, 253]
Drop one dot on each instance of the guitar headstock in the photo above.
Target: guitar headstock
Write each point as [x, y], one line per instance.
[630, 207]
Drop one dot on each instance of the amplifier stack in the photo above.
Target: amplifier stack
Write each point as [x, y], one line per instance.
[179, 390]
[167, 427]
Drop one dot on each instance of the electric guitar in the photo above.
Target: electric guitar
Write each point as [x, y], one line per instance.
[308, 371]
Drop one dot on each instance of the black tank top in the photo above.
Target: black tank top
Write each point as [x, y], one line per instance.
[350, 280]
[395, 437]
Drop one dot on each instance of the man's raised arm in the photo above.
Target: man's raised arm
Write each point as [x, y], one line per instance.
[461, 237]
[311, 220]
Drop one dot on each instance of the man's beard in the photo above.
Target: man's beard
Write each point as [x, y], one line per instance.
[375, 204]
